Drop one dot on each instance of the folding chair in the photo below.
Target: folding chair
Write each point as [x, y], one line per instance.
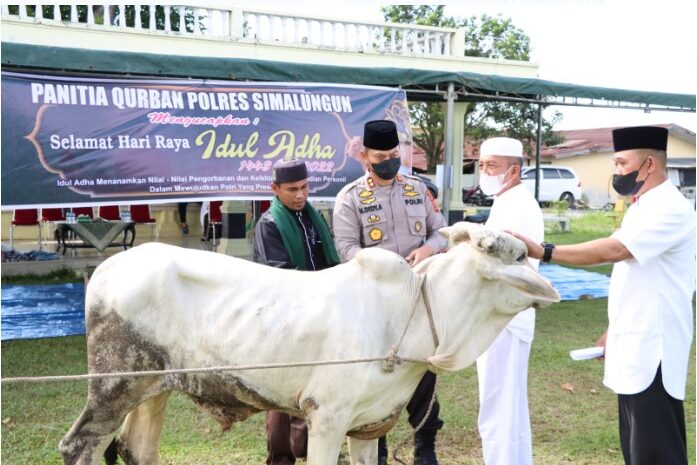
[89, 211]
[140, 214]
[109, 212]
[26, 217]
[48, 217]
[215, 220]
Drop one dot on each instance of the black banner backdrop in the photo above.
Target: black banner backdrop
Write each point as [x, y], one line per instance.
[70, 141]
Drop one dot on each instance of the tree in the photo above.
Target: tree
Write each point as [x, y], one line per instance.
[486, 37]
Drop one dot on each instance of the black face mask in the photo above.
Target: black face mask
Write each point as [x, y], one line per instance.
[626, 184]
[387, 169]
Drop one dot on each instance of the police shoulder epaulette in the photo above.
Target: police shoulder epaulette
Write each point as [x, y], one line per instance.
[352, 185]
[411, 177]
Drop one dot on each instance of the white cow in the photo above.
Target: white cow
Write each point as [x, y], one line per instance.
[161, 307]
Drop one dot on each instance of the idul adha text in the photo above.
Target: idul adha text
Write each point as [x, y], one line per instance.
[283, 143]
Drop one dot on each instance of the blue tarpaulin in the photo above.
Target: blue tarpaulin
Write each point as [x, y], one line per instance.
[43, 311]
[58, 310]
[572, 283]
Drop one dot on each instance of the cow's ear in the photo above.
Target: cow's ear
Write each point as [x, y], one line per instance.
[459, 232]
[525, 279]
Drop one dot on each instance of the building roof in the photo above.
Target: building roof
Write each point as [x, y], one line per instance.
[681, 163]
[598, 140]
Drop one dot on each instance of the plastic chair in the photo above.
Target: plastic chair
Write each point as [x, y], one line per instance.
[215, 220]
[89, 211]
[617, 213]
[49, 215]
[26, 217]
[140, 214]
[109, 212]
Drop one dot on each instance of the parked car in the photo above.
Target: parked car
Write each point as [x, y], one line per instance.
[556, 183]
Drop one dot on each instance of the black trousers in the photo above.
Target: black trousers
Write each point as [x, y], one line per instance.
[181, 206]
[418, 406]
[652, 427]
[286, 438]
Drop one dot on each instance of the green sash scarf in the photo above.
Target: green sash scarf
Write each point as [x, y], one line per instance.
[290, 234]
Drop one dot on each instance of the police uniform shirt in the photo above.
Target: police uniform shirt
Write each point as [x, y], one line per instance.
[650, 297]
[517, 210]
[401, 217]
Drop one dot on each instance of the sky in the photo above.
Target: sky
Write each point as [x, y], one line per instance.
[626, 44]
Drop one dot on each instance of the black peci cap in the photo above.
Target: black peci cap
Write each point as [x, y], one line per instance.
[380, 135]
[640, 137]
[289, 170]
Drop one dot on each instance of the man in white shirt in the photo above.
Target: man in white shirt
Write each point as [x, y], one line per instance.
[647, 344]
[504, 420]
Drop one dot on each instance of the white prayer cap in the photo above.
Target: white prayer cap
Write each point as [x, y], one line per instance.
[502, 147]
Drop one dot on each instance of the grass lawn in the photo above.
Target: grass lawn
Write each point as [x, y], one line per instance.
[574, 417]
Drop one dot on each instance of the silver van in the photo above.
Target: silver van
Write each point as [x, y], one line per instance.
[556, 183]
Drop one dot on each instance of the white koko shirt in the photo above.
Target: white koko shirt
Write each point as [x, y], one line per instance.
[516, 210]
[650, 297]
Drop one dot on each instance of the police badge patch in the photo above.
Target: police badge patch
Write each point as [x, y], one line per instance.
[375, 234]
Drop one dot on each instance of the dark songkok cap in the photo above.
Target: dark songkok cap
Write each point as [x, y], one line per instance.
[640, 137]
[380, 135]
[289, 170]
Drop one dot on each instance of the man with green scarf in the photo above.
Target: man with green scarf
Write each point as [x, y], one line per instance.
[291, 234]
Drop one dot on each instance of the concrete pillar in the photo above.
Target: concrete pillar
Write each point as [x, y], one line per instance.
[458, 44]
[456, 206]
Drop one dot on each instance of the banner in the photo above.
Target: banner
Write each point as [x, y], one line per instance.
[71, 141]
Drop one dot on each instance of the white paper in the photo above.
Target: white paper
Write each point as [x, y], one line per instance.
[588, 353]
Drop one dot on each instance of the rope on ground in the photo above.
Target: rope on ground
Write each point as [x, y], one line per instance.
[392, 358]
[418, 427]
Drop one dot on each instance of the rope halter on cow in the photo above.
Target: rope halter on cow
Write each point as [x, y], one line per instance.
[392, 357]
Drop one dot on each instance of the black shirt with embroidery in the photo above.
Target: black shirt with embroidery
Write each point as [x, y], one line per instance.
[268, 247]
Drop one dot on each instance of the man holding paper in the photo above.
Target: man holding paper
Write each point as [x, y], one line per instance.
[647, 344]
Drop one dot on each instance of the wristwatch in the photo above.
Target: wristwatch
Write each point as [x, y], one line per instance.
[547, 255]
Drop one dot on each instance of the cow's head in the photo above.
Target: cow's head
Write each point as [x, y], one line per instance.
[478, 286]
[503, 258]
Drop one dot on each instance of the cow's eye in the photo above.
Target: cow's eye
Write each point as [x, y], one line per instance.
[522, 257]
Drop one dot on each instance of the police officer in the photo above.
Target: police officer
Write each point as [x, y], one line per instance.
[396, 212]
[291, 234]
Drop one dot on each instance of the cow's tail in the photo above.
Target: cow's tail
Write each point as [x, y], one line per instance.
[111, 457]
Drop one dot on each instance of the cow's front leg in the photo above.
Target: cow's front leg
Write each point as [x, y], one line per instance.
[89, 436]
[326, 431]
[140, 433]
[363, 452]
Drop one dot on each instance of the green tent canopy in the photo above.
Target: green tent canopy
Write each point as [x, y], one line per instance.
[472, 86]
